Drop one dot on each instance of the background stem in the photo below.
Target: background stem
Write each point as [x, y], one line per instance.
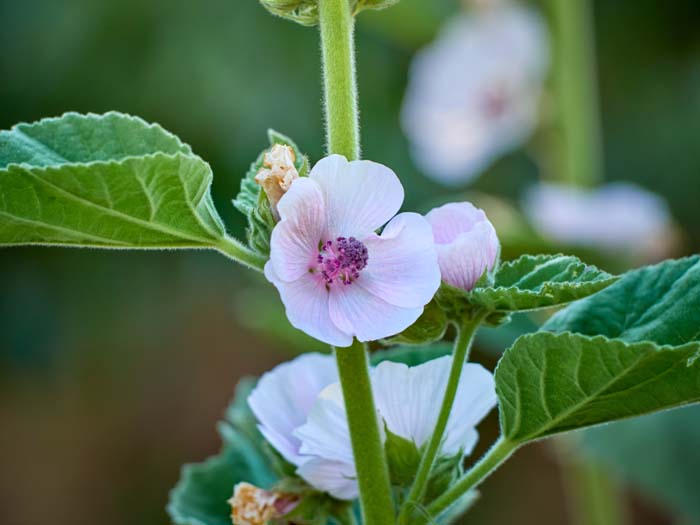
[339, 84]
[459, 356]
[368, 450]
[577, 92]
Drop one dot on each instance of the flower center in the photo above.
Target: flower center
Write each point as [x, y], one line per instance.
[341, 260]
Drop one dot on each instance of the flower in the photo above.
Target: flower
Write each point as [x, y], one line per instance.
[616, 217]
[337, 278]
[251, 505]
[284, 396]
[405, 398]
[466, 242]
[277, 174]
[473, 93]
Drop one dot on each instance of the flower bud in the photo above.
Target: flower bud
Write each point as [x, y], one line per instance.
[466, 242]
[251, 505]
[277, 174]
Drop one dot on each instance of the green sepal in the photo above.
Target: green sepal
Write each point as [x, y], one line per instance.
[403, 458]
[411, 355]
[429, 327]
[252, 202]
[305, 12]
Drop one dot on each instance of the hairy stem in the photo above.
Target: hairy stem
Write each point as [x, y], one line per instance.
[576, 91]
[368, 451]
[233, 249]
[460, 355]
[339, 84]
[499, 453]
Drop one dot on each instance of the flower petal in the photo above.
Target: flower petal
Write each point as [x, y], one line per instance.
[295, 239]
[465, 260]
[360, 196]
[284, 396]
[358, 312]
[453, 218]
[334, 477]
[406, 399]
[306, 301]
[325, 433]
[402, 268]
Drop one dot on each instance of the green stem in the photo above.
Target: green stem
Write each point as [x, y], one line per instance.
[233, 249]
[339, 84]
[368, 451]
[460, 355]
[576, 90]
[499, 453]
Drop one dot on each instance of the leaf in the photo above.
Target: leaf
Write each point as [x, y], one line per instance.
[201, 495]
[107, 180]
[251, 200]
[550, 383]
[411, 355]
[656, 453]
[644, 360]
[539, 281]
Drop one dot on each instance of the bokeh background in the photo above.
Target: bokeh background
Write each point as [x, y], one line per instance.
[114, 367]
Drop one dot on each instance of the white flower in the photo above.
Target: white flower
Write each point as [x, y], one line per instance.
[473, 93]
[406, 399]
[618, 217]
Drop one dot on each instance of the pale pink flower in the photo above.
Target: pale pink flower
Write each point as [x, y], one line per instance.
[466, 242]
[337, 277]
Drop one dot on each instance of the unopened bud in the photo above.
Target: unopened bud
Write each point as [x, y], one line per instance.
[277, 174]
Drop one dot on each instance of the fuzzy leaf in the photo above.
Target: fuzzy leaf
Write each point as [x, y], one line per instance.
[108, 180]
[645, 360]
[539, 281]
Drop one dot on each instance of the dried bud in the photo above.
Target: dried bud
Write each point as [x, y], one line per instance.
[251, 505]
[277, 174]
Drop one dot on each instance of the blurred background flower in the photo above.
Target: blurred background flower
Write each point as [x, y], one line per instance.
[114, 367]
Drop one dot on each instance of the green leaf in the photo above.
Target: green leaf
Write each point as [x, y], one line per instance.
[411, 355]
[539, 281]
[660, 304]
[550, 383]
[201, 495]
[105, 181]
[251, 200]
[644, 360]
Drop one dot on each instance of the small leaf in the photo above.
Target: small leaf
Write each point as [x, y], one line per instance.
[550, 383]
[402, 457]
[539, 281]
[429, 327]
[411, 355]
[105, 181]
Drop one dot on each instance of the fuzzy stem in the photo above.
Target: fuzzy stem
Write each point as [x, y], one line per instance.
[493, 459]
[233, 249]
[460, 355]
[339, 84]
[368, 451]
[576, 91]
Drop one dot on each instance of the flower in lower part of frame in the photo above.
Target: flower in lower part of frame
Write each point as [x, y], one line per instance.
[466, 243]
[337, 277]
[616, 217]
[473, 93]
[405, 398]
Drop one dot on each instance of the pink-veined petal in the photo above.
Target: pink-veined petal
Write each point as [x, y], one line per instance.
[464, 260]
[284, 396]
[356, 311]
[402, 267]
[451, 219]
[360, 196]
[306, 302]
[334, 477]
[295, 239]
